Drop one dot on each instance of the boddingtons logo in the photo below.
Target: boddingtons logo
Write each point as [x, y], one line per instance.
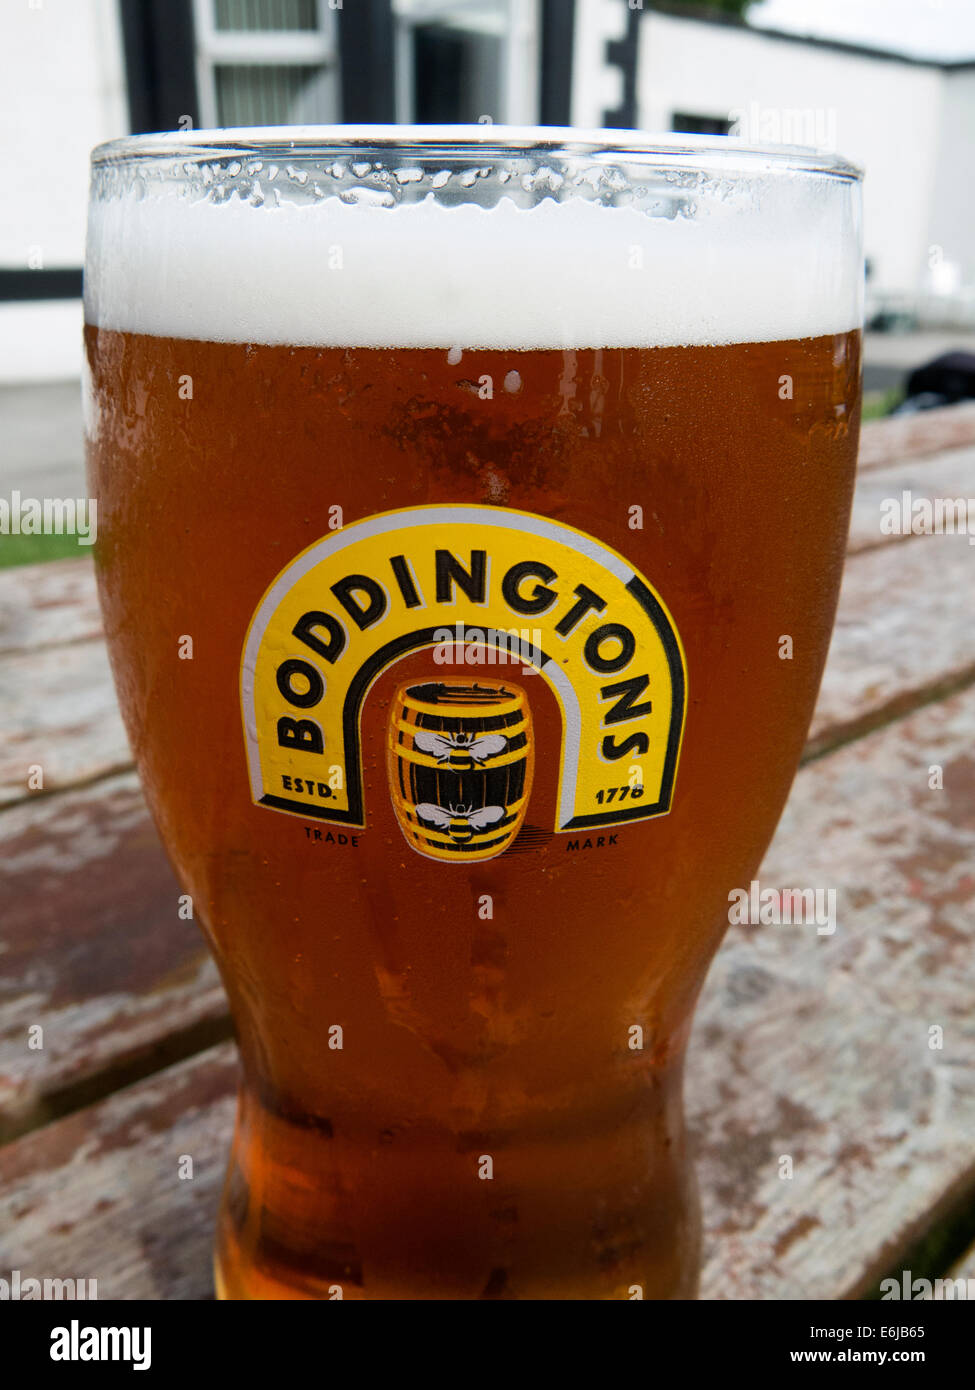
[461, 755]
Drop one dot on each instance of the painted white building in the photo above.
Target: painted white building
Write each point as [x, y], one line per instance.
[910, 124]
[62, 88]
[76, 72]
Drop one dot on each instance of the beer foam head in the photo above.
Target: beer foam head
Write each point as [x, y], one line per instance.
[777, 260]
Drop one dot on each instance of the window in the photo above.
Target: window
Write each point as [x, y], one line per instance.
[686, 123]
[467, 59]
[455, 76]
[266, 62]
[233, 16]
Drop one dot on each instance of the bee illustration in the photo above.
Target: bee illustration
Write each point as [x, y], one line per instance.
[460, 750]
[460, 821]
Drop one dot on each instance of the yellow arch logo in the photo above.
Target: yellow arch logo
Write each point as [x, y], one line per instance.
[574, 611]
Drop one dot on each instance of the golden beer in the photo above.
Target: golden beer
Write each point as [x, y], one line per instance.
[463, 906]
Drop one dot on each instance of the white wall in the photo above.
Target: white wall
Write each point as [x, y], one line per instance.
[62, 90]
[952, 224]
[596, 87]
[887, 115]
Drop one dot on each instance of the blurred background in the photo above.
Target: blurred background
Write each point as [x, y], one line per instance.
[889, 83]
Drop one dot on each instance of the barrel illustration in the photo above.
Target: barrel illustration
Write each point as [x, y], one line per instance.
[460, 761]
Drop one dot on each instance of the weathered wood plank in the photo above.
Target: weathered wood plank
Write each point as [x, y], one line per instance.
[911, 436]
[806, 1045]
[60, 714]
[904, 634]
[93, 948]
[98, 1195]
[949, 475]
[817, 1047]
[48, 605]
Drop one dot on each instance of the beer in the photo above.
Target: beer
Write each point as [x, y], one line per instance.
[467, 611]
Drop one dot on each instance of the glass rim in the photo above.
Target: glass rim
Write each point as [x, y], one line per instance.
[724, 153]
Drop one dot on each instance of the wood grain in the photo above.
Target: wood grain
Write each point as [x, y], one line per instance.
[60, 715]
[98, 1195]
[93, 947]
[912, 436]
[903, 636]
[948, 475]
[818, 1047]
[48, 605]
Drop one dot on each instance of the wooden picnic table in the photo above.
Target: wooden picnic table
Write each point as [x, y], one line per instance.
[816, 1047]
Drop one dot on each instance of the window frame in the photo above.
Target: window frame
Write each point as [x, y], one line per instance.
[519, 27]
[260, 48]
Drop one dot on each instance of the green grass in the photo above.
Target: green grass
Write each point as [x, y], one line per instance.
[877, 404]
[31, 550]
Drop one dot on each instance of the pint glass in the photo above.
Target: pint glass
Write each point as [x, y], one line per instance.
[458, 490]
